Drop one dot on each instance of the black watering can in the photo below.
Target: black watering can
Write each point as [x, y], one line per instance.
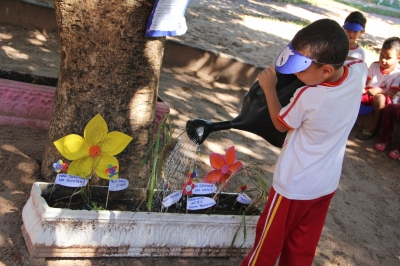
[254, 116]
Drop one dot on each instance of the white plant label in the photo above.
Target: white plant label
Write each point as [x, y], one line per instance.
[70, 180]
[198, 203]
[204, 188]
[244, 199]
[172, 199]
[118, 184]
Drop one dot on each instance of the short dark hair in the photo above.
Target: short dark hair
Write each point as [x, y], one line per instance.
[392, 43]
[356, 17]
[324, 41]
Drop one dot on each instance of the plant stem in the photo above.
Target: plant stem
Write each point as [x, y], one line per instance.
[154, 170]
[52, 189]
[187, 202]
[108, 193]
[222, 186]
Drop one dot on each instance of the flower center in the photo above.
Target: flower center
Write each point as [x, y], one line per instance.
[94, 151]
[225, 169]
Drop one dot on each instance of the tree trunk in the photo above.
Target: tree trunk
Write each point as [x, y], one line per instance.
[108, 66]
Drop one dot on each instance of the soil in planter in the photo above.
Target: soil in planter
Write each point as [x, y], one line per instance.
[60, 197]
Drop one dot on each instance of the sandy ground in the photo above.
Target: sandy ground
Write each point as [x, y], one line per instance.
[362, 223]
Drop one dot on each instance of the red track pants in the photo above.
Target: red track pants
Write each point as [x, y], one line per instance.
[289, 228]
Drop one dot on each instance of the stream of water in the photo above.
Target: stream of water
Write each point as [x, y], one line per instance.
[180, 161]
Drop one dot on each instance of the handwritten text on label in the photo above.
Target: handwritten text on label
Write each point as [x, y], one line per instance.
[198, 203]
[70, 180]
[244, 199]
[204, 188]
[118, 184]
[172, 199]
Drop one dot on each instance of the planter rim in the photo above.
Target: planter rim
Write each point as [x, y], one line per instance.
[48, 213]
[73, 233]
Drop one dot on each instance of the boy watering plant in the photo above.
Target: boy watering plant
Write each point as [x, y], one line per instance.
[318, 119]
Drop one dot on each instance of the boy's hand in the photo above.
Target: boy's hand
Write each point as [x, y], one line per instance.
[267, 79]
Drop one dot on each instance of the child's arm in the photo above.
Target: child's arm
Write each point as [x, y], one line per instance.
[267, 80]
[375, 90]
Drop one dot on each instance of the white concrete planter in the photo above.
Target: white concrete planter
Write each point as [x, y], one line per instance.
[54, 232]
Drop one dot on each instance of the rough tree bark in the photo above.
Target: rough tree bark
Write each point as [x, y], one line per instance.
[108, 66]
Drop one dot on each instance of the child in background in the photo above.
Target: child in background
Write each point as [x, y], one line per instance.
[318, 119]
[390, 114]
[354, 26]
[382, 84]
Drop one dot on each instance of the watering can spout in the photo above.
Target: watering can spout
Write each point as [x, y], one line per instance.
[254, 116]
[198, 129]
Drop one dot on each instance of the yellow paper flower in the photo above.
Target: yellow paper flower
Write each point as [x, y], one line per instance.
[95, 151]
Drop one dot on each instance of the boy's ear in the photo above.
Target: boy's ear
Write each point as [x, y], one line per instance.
[362, 32]
[327, 71]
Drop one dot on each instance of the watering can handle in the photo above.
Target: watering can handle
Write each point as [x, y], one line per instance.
[254, 116]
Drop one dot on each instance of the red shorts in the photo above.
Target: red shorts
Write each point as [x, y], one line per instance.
[368, 100]
[289, 228]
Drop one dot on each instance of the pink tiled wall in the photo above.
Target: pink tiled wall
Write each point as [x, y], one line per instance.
[31, 105]
[25, 104]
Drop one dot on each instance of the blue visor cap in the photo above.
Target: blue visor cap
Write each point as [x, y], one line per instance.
[290, 61]
[353, 26]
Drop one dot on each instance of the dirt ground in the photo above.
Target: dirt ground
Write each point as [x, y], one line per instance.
[362, 223]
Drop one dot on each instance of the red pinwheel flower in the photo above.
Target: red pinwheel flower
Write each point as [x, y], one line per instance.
[224, 166]
[188, 187]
